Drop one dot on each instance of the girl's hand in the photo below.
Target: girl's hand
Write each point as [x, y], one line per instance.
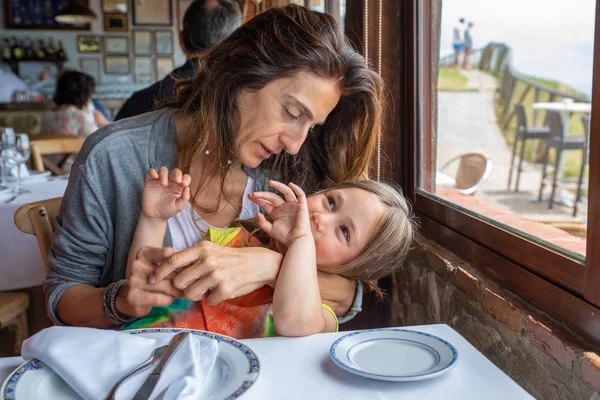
[165, 194]
[290, 216]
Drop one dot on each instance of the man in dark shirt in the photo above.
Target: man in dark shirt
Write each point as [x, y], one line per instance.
[205, 23]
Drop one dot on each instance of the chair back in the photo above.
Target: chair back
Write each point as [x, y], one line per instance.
[38, 218]
[554, 121]
[62, 145]
[473, 170]
[521, 116]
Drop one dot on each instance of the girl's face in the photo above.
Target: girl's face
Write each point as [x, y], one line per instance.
[342, 222]
[280, 115]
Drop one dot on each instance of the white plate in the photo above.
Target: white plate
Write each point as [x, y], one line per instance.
[394, 354]
[235, 370]
[34, 176]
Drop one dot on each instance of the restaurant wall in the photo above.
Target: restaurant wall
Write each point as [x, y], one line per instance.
[550, 362]
[123, 83]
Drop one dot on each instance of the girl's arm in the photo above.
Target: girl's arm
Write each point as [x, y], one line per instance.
[164, 196]
[297, 304]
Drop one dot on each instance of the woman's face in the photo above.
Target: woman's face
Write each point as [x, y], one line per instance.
[342, 222]
[280, 115]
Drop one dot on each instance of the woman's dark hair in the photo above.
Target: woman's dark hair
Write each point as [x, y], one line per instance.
[207, 22]
[279, 43]
[74, 88]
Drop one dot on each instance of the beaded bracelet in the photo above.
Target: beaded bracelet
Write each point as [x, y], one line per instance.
[109, 303]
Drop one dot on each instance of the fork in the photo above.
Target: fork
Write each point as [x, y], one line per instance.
[154, 357]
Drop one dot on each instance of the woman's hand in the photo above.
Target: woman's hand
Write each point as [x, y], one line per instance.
[290, 216]
[137, 297]
[164, 194]
[217, 273]
[100, 119]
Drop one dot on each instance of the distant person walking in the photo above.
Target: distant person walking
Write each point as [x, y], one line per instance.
[458, 40]
[468, 44]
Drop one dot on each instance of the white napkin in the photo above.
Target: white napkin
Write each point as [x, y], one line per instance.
[91, 361]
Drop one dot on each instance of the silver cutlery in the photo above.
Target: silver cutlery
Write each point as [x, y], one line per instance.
[154, 358]
[148, 386]
[12, 198]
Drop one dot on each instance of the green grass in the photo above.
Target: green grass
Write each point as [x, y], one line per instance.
[533, 152]
[450, 80]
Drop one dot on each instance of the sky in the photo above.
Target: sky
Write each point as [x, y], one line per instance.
[551, 39]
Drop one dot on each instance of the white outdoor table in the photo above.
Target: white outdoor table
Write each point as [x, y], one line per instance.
[21, 265]
[300, 368]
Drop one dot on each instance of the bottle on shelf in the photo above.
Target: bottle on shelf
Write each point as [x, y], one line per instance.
[28, 47]
[62, 55]
[17, 49]
[6, 50]
[51, 49]
[40, 52]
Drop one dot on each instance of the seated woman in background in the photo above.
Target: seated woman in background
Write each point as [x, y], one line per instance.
[74, 113]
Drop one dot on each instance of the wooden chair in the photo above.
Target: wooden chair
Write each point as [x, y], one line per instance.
[65, 146]
[473, 171]
[38, 218]
[13, 315]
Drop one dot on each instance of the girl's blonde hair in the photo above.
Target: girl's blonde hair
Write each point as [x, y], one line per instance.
[387, 247]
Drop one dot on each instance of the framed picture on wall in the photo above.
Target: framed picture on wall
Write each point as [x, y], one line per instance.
[163, 43]
[91, 66]
[164, 66]
[116, 22]
[152, 12]
[115, 6]
[142, 69]
[22, 14]
[142, 43]
[88, 44]
[182, 5]
[116, 65]
[116, 45]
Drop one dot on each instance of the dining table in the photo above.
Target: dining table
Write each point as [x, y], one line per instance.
[21, 265]
[301, 368]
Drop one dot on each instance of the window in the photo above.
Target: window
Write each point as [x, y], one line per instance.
[488, 229]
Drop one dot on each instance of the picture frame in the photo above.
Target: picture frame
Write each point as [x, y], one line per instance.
[164, 66]
[152, 12]
[116, 22]
[116, 65]
[89, 43]
[142, 70]
[115, 6]
[163, 43]
[20, 14]
[91, 66]
[116, 45]
[182, 6]
[142, 43]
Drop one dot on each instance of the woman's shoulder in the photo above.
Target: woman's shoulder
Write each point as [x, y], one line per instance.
[123, 140]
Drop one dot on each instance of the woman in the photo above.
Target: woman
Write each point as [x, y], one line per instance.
[284, 79]
[74, 113]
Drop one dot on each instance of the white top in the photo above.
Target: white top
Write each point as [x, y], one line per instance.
[301, 368]
[564, 106]
[458, 33]
[187, 230]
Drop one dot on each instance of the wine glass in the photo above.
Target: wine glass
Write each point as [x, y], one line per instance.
[7, 143]
[21, 156]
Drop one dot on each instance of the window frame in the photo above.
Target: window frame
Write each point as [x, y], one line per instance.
[561, 286]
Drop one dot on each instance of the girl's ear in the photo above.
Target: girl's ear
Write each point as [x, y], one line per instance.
[281, 248]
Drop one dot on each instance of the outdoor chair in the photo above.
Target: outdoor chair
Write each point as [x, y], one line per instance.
[523, 134]
[585, 156]
[473, 170]
[560, 144]
[61, 145]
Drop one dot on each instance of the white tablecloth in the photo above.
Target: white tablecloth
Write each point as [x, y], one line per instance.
[20, 262]
[300, 368]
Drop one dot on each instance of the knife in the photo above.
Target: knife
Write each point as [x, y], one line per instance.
[148, 386]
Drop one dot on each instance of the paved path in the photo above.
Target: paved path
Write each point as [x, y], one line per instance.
[467, 123]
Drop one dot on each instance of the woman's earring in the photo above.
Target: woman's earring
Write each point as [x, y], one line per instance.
[207, 152]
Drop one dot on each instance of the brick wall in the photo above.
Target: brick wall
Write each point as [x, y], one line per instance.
[541, 355]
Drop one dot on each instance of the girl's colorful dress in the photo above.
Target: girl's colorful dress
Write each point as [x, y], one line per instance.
[244, 317]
